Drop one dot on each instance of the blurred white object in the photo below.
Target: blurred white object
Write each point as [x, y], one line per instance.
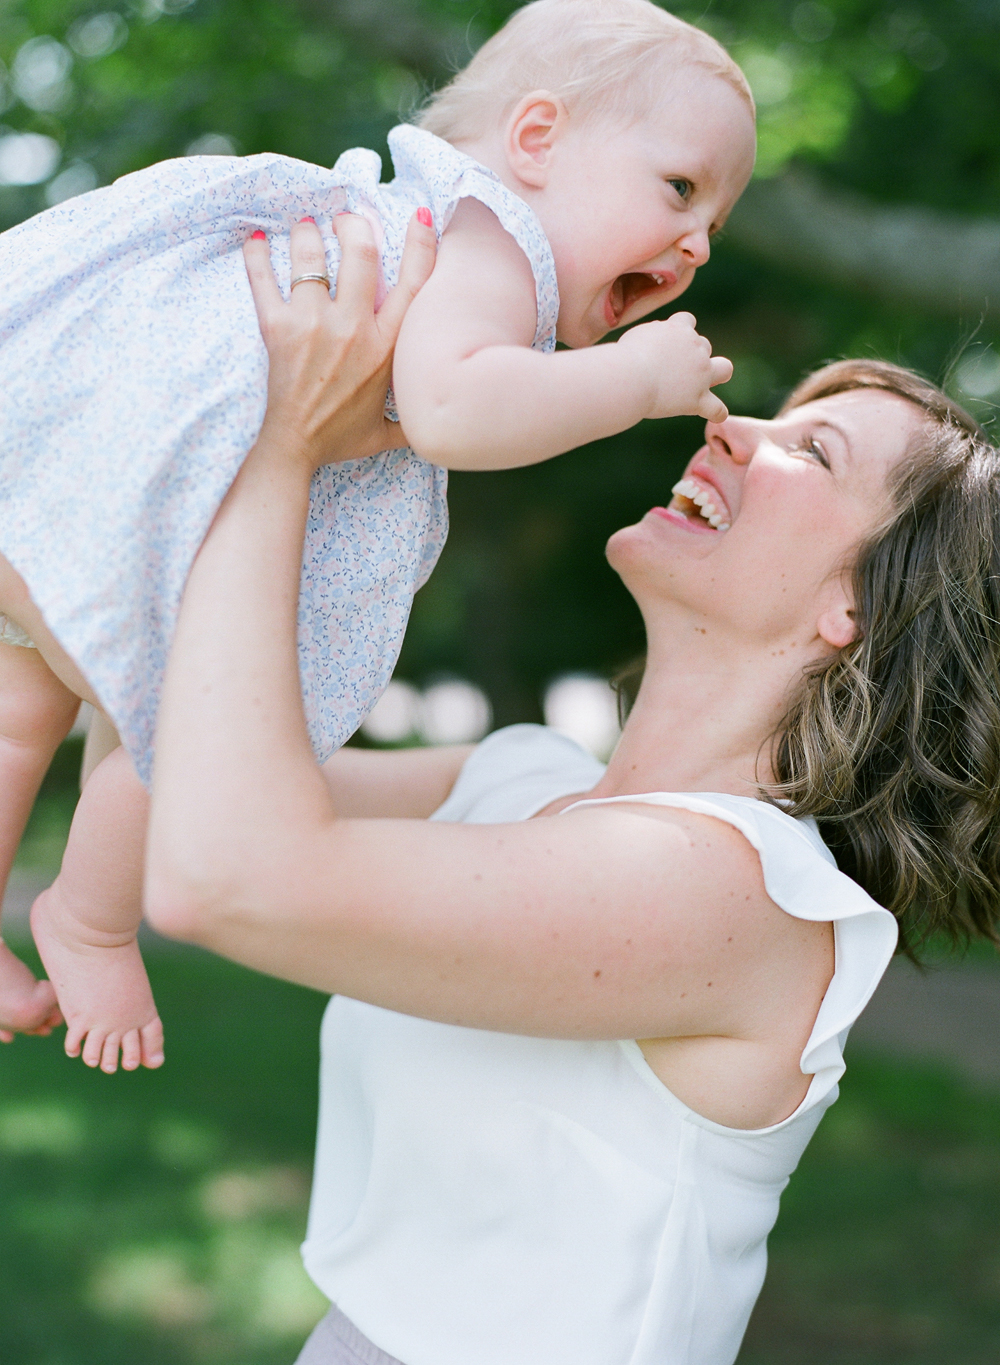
[27, 158]
[97, 34]
[979, 375]
[454, 712]
[396, 715]
[211, 144]
[40, 74]
[77, 178]
[585, 708]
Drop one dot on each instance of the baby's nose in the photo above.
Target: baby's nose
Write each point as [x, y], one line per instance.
[695, 247]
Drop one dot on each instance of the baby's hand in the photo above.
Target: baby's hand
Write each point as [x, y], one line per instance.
[102, 989]
[680, 368]
[26, 1005]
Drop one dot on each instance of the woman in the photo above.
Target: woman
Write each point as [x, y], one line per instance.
[501, 1179]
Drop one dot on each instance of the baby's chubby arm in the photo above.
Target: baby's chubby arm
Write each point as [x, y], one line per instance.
[472, 395]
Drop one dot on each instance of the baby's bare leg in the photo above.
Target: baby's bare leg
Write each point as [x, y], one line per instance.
[36, 712]
[85, 925]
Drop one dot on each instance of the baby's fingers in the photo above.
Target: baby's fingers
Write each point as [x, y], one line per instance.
[720, 371]
[712, 408]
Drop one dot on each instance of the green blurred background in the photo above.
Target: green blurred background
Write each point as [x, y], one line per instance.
[154, 1218]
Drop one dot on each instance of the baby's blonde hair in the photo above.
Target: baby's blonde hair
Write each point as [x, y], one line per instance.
[604, 57]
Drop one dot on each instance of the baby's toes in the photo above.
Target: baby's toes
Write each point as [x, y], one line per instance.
[131, 1049]
[152, 1043]
[109, 1053]
[93, 1046]
[6, 1036]
[75, 1036]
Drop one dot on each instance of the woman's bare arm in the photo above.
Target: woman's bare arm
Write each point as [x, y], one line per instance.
[393, 783]
[606, 922]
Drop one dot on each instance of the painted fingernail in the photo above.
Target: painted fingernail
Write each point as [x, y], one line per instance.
[424, 216]
[308, 220]
[259, 236]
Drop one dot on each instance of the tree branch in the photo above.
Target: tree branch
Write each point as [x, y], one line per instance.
[944, 262]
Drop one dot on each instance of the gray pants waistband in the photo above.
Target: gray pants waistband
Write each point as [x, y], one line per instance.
[336, 1341]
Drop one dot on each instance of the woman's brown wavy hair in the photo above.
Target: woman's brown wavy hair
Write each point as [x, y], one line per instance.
[893, 745]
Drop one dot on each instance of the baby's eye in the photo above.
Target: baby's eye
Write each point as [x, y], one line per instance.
[683, 187]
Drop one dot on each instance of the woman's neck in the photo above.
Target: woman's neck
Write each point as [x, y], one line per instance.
[703, 718]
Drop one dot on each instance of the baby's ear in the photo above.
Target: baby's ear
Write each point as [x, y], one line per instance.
[534, 127]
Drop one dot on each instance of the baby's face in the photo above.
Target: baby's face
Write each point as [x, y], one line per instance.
[630, 211]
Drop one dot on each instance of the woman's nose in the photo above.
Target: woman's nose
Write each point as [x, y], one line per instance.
[736, 438]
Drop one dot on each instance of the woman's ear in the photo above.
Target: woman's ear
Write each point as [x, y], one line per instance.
[836, 624]
[534, 127]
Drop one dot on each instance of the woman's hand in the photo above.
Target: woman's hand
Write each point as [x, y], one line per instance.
[331, 358]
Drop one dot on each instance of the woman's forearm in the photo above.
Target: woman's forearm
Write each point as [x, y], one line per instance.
[226, 748]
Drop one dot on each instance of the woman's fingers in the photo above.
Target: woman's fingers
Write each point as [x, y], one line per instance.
[263, 285]
[308, 257]
[419, 254]
[357, 274]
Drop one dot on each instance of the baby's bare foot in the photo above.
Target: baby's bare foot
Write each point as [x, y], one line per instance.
[102, 989]
[26, 1005]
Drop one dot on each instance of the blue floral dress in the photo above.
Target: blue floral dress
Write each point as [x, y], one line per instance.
[134, 383]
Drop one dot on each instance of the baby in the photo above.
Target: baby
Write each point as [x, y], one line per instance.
[575, 172]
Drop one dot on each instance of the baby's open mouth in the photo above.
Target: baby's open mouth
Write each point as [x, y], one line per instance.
[628, 289]
[697, 503]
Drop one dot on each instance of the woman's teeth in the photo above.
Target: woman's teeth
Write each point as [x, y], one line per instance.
[694, 493]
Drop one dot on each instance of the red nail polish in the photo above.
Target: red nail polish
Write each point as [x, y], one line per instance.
[424, 216]
[308, 220]
[259, 236]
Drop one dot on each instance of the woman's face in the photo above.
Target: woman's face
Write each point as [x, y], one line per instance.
[761, 533]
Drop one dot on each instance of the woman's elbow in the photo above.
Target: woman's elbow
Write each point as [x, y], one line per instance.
[179, 907]
[189, 898]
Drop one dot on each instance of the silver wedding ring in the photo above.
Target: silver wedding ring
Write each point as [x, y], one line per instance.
[320, 279]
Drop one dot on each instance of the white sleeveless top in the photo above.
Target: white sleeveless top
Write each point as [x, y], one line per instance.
[134, 383]
[488, 1199]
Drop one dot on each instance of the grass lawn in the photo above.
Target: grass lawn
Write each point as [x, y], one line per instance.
[154, 1218]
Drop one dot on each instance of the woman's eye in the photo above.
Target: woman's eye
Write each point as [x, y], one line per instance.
[683, 187]
[813, 448]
